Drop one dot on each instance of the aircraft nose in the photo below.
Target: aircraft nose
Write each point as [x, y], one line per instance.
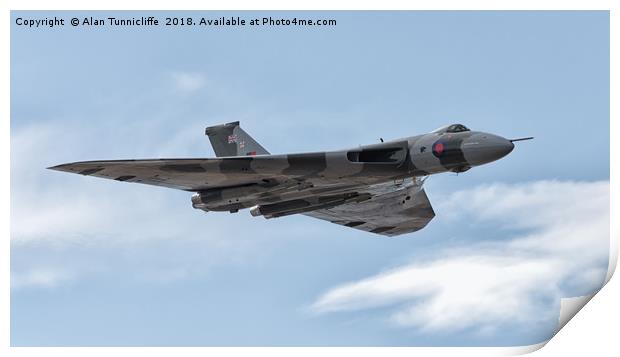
[483, 148]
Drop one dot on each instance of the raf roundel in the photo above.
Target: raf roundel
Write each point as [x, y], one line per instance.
[438, 148]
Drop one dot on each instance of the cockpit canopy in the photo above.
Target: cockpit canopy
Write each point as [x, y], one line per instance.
[454, 128]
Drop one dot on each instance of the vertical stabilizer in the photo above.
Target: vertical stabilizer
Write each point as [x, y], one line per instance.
[230, 140]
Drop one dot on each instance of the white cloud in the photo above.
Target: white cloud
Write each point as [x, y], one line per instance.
[188, 82]
[559, 246]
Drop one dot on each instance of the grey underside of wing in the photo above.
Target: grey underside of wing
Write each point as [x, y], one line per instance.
[393, 209]
[182, 174]
[212, 173]
[396, 211]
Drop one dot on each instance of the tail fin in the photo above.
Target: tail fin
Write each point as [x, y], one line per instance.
[230, 140]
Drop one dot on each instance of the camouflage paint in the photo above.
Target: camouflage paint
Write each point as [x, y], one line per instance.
[376, 188]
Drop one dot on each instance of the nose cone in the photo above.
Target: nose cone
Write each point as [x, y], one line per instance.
[483, 148]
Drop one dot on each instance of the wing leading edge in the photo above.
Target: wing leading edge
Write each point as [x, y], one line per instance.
[202, 173]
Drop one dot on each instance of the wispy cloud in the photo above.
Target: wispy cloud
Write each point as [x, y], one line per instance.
[39, 277]
[188, 81]
[67, 227]
[558, 239]
[49, 206]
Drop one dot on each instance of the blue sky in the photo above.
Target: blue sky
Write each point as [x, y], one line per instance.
[105, 263]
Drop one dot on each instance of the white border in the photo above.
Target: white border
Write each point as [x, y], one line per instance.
[594, 329]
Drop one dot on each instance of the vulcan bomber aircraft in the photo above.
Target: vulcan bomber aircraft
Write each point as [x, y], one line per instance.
[375, 188]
